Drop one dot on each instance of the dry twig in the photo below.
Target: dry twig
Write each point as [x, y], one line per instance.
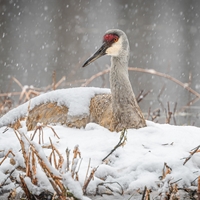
[39, 128]
[89, 179]
[87, 171]
[154, 115]
[67, 156]
[166, 170]
[12, 194]
[149, 71]
[88, 81]
[60, 160]
[25, 188]
[54, 180]
[33, 161]
[152, 71]
[25, 154]
[168, 114]
[54, 80]
[146, 194]
[4, 182]
[9, 152]
[121, 142]
[195, 150]
[142, 95]
[76, 153]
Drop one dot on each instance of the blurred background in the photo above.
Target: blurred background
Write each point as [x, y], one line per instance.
[40, 37]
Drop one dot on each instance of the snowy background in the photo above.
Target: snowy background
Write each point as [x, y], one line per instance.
[38, 37]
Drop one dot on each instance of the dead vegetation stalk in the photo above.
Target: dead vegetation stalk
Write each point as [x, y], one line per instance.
[89, 179]
[121, 142]
[9, 152]
[193, 151]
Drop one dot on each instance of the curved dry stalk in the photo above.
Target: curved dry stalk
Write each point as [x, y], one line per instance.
[54, 80]
[95, 76]
[89, 179]
[67, 156]
[41, 133]
[87, 171]
[76, 153]
[191, 154]
[28, 167]
[9, 152]
[152, 71]
[47, 170]
[144, 193]
[53, 153]
[24, 90]
[55, 134]
[33, 161]
[25, 188]
[166, 170]
[142, 95]
[121, 142]
[18, 83]
[149, 71]
[24, 153]
[60, 81]
[8, 177]
[60, 160]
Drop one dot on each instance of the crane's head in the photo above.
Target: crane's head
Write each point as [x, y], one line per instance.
[115, 43]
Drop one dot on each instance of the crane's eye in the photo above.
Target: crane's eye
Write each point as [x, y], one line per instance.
[116, 39]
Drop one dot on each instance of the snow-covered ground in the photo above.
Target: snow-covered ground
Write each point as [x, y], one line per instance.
[136, 165]
[130, 168]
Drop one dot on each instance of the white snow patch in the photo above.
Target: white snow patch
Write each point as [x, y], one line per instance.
[76, 99]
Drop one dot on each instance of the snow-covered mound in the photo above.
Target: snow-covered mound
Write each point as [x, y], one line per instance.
[137, 164]
[76, 99]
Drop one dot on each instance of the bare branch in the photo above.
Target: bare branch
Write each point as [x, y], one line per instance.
[191, 154]
[88, 81]
[120, 143]
[89, 179]
[152, 71]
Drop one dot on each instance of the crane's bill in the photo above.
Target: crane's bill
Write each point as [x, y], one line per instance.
[100, 52]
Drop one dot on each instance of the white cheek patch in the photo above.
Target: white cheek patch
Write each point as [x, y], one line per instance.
[115, 48]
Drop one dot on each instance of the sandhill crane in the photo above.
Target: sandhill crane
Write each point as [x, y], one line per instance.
[115, 111]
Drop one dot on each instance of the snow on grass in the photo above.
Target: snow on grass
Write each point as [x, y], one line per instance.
[76, 99]
[136, 165]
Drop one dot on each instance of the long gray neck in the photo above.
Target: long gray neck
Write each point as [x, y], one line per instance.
[119, 80]
[126, 113]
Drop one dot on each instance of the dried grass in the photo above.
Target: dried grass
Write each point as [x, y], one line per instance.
[32, 154]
